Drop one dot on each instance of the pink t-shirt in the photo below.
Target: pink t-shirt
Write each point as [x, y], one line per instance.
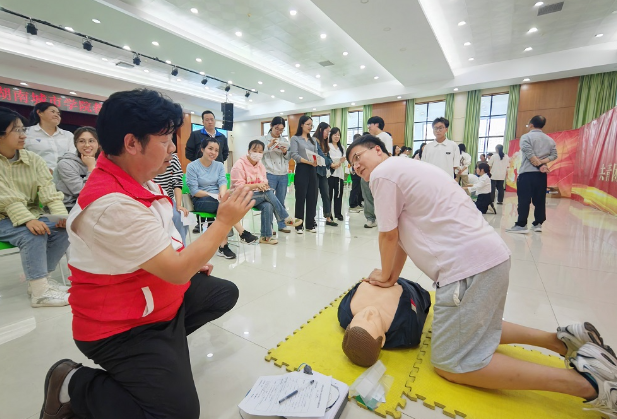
[440, 228]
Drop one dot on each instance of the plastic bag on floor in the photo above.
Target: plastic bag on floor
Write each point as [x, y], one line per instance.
[371, 387]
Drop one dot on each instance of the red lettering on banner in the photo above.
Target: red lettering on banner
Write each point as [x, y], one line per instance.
[69, 103]
[20, 96]
[85, 106]
[614, 178]
[97, 107]
[38, 98]
[5, 93]
[55, 100]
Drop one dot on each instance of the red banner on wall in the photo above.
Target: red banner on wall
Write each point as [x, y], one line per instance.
[21, 96]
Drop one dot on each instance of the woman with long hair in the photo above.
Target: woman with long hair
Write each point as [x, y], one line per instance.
[396, 150]
[305, 179]
[499, 164]
[337, 169]
[45, 138]
[418, 153]
[321, 138]
[74, 168]
[276, 161]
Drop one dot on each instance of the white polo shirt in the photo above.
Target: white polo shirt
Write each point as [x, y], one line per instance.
[436, 220]
[499, 167]
[49, 147]
[387, 140]
[445, 155]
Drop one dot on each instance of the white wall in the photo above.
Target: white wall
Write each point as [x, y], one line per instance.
[244, 132]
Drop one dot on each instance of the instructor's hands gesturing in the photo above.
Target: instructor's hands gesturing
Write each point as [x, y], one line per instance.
[234, 205]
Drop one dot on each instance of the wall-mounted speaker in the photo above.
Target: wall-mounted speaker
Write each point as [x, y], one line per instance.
[228, 116]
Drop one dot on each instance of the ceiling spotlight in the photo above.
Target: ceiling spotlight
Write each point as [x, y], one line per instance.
[253, 90]
[293, 12]
[104, 59]
[73, 93]
[282, 90]
[456, 89]
[247, 94]
[96, 21]
[250, 100]
[51, 44]
[192, 113]
[297, 65]
[314, 109]
[398, 97]
[467, 44]
[260, 82]
[227, 88]
[87, 44]
[538, 4]
[353, 103]
[528, 49]
[156, 44]
[207, 88]
[334, 85]
[281, 113]
[318, 76]
[527, 79]
[600, 35]
[471, 59]
[146, 71]
[168, 62]
[68, 28]
[23, 84]
[462, 23]
[230, 82]
[178, 80]
[323, 36]
[532, 30]
[362, 67]
[345, 53]
[126, 47]
[202, 73]
[238, 33]
[198, 60]
[174, 71]
[272, 96]
[136, 59]
[204, 81]
[376, 77]
[194, 10]
[31, 29]
[300, 98]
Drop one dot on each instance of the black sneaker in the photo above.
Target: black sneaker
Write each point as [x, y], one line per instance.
[197, 229]
[226, 252]
[340, 218]
[248, 238]
[331, 223]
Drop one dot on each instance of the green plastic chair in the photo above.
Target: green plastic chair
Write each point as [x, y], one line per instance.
[290, 178]
[227, 175]
[185, 191]
[6, 245]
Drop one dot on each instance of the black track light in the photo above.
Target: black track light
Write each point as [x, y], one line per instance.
[204, 81]
[31, 29]
[136, 59]
[247, 94]
[227, 88]
[174, 71]
[87, 44]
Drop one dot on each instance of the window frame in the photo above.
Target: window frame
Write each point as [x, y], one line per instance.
[484, 140]
[265, 127]
[358, 129]
[426, 122]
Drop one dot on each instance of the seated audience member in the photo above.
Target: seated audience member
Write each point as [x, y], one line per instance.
[207, 185]
[471, 287]
[249, 171]
[136, 295]
[171, 183]
[45, 138]
[405, 151]
[482, 188]
[482, 158]
[375, 318]
[74, 167]
[25, 182]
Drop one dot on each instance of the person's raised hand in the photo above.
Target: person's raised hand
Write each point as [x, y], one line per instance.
[89, 161]
[234, 205]
[37, 227]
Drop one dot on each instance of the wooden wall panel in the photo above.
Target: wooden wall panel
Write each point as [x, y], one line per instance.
[182, 136]
[554, 99]
[393, 114]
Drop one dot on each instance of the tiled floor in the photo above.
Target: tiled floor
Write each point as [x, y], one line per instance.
[566, 274]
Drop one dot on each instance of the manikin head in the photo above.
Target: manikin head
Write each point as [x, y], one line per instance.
[364, 337]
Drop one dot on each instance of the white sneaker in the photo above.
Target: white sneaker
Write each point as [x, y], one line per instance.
[50, 298]
[370, 224]
[312, 230]
[574, 336]
[53, 284]
[601, 366]
[299, 230]
[355, 209]
[518, 230]
[537, 228]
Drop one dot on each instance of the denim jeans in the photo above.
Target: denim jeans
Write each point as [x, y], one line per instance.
[206, 204]
[177, 219]
[369, 204]
[269, 205]
[39, 254]
[279, 184]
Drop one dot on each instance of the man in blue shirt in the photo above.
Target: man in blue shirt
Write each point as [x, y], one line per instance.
[193, 145]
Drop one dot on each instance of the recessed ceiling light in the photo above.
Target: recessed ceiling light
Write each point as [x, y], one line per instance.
[353, 103]
[207, 88]
[318, 76]
[532, 30]
[297, 65]
[168, 61]
[272, 96]
[253, 90]
[250, 100]
[126, 47]
[314, 109]
[461, 23]
[178, 80]
[362, 67]
[210, 355]
[238, 33]
[68, 28]
[334, 85]
[456, 89]
[398, 97]
[300, 98]
[281, 113]
[194, 10]
[73, 93]
[260, 82]
[23, 84]
[202, 73]
[51, 44]
[538, 4]
[323, 36]
[527, 79]
[156, 44]
[471, 59]
[192, 113]
[376, 77]
[230, 82]
[467, 44]
[104, 59]
[282, 90]
[198, 60]
[96, 21]
[345, 53]
[146, 71]
[293, 12]
[528, 49]
[600, 35]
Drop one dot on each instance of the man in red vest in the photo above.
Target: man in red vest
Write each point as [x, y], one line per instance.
[135, 293]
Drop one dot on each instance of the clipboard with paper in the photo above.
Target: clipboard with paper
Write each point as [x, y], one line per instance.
[314, 156]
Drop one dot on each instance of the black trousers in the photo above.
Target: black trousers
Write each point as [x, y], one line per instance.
[147, 371]
[336, 194]
[355, 196]
[305, 182]
[499, 186]
[483, 202]
[326, 202]
[531, 188]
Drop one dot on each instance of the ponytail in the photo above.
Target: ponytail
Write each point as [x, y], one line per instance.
[484, 166]
[499, 149]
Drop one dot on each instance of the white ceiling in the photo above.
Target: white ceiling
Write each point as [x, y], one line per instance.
[414, 47]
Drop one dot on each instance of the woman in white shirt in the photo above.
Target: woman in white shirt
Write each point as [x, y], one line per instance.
[44, 138]
[482, 188]
[337, 170]
[499, 164]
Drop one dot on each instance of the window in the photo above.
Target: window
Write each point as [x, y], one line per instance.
[265, 127]
[317, 119]
[423, 116]
[355, 121]
[493, 110]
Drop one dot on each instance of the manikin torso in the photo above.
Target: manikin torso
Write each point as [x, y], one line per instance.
[374, 307]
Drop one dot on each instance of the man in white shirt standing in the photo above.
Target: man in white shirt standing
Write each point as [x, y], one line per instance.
[462, 174]
[442, 152]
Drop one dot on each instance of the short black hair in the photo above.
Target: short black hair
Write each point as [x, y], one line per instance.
[257, 142]
[442, 120]
[41, 107]
[376, 120]
[8, 117]
[538, 121]
[141, 112]
[355, 137]
[461, 147]
[206, 113]
[368, 141]
[208, 140]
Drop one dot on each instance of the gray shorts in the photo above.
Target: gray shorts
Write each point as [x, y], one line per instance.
[467, 320]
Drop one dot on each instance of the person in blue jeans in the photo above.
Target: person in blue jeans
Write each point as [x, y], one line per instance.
[25, 182]
[205, 178]
[321, 138]
[276, 161]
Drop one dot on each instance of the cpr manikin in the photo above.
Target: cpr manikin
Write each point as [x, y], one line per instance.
[374, 317]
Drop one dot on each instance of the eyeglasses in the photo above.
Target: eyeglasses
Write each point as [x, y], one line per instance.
[84, 142]
[21, 130]
[439, 128]
[277, 129]
[356, 157]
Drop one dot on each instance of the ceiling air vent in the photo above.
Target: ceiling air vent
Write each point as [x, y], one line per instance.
[550, 8]
[124, 65]
[327, 63]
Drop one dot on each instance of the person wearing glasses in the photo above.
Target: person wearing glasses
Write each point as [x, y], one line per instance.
[276, 161]
[305, 180]
[442, 152]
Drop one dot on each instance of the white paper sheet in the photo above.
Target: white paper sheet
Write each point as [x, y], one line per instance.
[311, 400]
[320, 160]
[190, 220]
[55, 218]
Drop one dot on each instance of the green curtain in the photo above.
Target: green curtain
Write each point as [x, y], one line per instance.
[343, 126]
[472, 125]
[513, 99]
[410, 104]
[596, 95]
[333, 120]
[367, 112]
[450, 111]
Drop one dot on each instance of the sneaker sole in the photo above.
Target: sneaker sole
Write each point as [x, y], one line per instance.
[224, 256]
[596, 338]
[47, 378]
[517, 231]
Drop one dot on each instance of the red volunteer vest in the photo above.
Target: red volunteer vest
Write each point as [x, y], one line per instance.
[106, 305]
